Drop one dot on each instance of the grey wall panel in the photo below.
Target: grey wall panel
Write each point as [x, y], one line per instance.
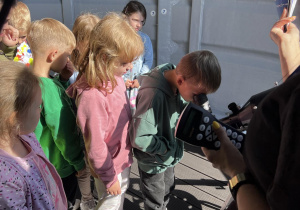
[239, 24]
[243, 75]
[42, 9]
[173, 30]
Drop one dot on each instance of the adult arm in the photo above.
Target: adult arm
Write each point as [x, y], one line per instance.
[288, 44]
[229, 160]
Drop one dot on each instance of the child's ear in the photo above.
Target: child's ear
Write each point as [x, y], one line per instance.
[51, 56]
[180, 80]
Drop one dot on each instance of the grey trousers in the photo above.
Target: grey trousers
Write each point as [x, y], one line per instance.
[157, 188]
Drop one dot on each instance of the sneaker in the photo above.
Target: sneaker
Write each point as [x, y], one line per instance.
[88, 205]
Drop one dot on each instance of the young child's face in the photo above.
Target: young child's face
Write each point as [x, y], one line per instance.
[8, 41]
[30, 119]
[60, 61]
[22, 37]
[122, 68]
[188, 90]
[136, 20]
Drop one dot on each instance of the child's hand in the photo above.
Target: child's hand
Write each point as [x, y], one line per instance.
[67, 71]
[135, 84]
[115, 189]
[128, 83]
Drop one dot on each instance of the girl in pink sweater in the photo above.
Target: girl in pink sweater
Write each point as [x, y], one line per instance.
[103, 110]
[27, 179]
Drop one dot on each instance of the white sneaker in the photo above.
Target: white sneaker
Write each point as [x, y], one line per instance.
[88, 205]
[76, 204]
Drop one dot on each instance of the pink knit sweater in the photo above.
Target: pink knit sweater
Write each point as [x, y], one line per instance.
[103, 119]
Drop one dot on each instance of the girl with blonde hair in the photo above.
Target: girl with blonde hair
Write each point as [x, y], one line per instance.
[26, 173]
[103, 110]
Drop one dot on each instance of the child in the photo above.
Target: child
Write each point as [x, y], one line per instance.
[27, 179]
[51, 43]
[158, 107]
[82, 29]
[103, 110]
[20, 19]
[136, 15]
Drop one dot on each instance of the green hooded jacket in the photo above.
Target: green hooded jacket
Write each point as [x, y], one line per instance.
[153, 125]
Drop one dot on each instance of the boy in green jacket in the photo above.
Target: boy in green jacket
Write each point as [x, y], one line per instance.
[158, 107]
[51, 44]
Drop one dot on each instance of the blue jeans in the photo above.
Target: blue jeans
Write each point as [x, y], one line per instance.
[157, 188]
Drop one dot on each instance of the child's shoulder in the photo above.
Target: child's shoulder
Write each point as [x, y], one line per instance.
[33, 142]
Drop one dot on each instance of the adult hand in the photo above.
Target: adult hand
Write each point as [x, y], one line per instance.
[115, 189]
[135, 84]
[287, 42]
[67, 71]
[128, 83]
[227, 159]
[10, 31]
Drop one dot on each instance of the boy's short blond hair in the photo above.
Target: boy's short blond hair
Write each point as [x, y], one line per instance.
[201, 68]
[20, 18]
[48, 34]
[111, 39]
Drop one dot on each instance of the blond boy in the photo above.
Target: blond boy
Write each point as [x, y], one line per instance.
[51, 44]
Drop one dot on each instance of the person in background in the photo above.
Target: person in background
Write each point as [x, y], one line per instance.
[27, 179]
[21, 19]
[159, 104]
[265, 176]
[51, 43]
[82, 28]
[103, 111]
[136, 15]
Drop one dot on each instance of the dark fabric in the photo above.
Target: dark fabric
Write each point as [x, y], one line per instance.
[295, 72]
[157, 188]
[272, 145]
[70, 186]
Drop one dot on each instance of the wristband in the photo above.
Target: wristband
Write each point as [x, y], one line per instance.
[237, 181]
